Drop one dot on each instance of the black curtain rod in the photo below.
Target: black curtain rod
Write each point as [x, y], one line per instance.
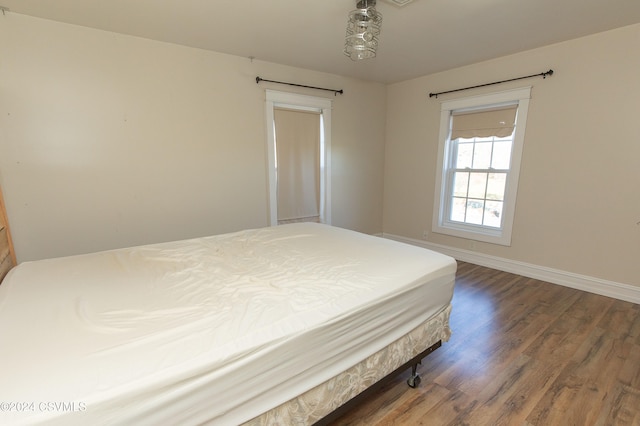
[335, 92]
[542, 74]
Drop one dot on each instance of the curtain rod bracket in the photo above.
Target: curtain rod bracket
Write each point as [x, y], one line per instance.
[542, 74]
[335, 92]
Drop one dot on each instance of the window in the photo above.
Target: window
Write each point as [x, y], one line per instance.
[297, 139]
[322, 106]
[481, 140]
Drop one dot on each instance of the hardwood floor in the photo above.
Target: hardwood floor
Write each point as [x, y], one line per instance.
[523, 352]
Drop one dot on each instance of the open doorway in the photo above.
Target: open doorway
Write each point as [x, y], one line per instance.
[298, 149]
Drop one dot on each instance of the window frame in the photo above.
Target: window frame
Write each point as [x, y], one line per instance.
[273, 99]
[443, 189]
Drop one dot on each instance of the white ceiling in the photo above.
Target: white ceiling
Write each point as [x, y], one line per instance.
[423, 37]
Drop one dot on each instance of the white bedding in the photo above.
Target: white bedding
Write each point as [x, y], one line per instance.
[216, 329]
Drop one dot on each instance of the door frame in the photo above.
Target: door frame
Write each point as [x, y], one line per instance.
[276, 99]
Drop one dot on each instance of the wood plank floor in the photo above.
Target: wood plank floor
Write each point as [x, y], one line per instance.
[523, 352]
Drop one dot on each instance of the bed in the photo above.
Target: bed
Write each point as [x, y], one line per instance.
[278, 325]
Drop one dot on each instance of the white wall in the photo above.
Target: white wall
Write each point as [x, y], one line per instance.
[578, 204]
[109, 140]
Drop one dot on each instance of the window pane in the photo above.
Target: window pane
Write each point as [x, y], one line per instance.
[496, 185]
[501, 155]
[465, 154]
[493, 214]
[474, 211]
[458, 209]
[460, 184]
[477, 185]
[482, 155]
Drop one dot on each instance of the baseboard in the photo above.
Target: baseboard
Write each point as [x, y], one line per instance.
[607, 288]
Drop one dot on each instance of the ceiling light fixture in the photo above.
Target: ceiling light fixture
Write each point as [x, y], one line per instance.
[363, 29]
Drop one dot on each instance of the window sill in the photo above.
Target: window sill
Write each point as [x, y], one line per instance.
[476, 233]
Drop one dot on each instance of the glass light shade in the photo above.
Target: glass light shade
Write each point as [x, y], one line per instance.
[363, 29]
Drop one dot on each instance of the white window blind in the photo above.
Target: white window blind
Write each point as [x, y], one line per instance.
[297, 140]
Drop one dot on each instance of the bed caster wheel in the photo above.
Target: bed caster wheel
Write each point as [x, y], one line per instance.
[414, 381]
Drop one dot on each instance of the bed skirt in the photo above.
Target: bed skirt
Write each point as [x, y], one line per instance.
[323, 399]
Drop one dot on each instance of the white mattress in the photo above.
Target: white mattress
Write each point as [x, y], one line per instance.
[216, 329]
